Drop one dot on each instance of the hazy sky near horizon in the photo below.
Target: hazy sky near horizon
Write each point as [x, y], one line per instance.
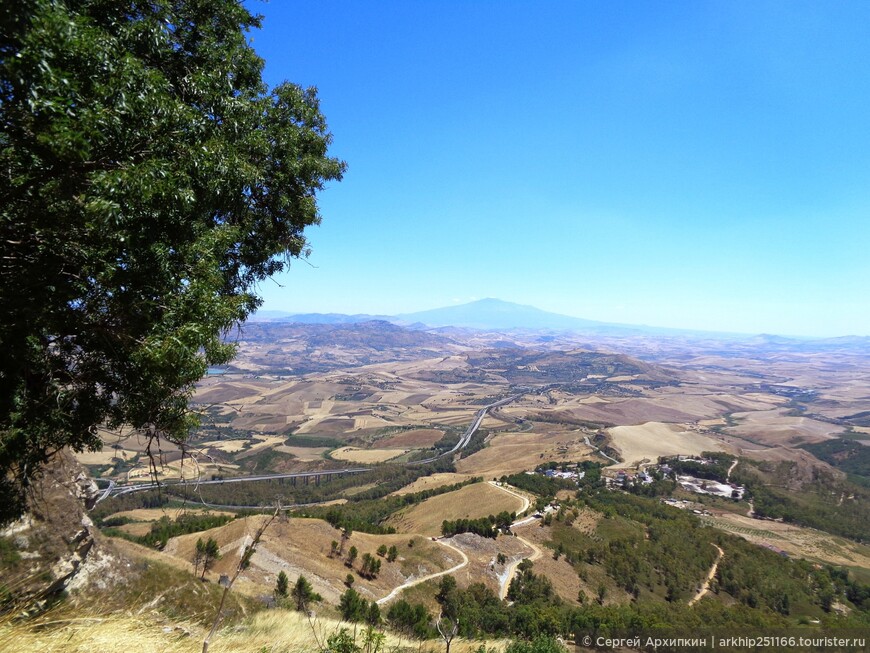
[685, 164]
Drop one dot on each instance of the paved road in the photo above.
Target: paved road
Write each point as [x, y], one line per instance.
[119, 490]
[469, 432]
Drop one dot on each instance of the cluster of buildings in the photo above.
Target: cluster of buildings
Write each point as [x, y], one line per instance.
[705, 486]
[625, 478]
[569, 474]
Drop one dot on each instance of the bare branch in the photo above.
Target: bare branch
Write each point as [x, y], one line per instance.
[244, 561]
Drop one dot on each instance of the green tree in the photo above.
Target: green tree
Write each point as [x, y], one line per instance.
[382, 550]
[541, 644]
[448, 597]
[150, 181]
[373, 616]
[303, 594]
[281, 586]
[198, 555]
[412, 620]
[351, 556]
[211, 554]
[392, 553]
[352, 606]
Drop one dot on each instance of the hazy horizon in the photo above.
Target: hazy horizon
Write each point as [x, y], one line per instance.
[696, 166]
[272, 312]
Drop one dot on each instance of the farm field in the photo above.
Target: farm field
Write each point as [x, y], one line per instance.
[367, 456]
[646, 442]
[470, 502]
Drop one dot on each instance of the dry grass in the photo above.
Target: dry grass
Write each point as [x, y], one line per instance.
[303, 454]
[778, 428]
[431, 482]
[509, 453]
[302, 547]
[653, 439]
[418, 438]
[367, 455]
[228, 446]
[153, 514]
[273, 631]
[472, 502]
[104, 457]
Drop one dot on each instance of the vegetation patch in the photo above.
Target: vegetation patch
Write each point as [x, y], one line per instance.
[823, 502]
[846, 455]
[165, 528]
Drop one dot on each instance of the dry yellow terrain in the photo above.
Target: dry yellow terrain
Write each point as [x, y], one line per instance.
[653, 439]
[229, 446]
[302, 547]
[304, 454]
[431, 482]
[367, 456]
[780, 428]
[509, 453]
[470, 502]
[153, 514]
[141, 631]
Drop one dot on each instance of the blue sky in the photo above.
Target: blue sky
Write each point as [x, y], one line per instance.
[686, 164]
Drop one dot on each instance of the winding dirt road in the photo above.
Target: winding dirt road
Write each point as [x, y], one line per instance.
[524, 499]
[710, 576]
[511, 570]
[731, 469]
[398, 590]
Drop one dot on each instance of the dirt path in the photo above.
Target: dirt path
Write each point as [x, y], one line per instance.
[730, 469]
[706, 588]
[398, 590]
[525, 500]
[511, 570]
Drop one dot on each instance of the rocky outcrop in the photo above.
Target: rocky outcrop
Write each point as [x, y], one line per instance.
[55, 546]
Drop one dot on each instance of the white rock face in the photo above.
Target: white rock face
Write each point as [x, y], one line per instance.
[59, 546]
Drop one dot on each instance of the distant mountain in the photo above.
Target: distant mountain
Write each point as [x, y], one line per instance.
[498, 314]
[484, 314]
[316, 318]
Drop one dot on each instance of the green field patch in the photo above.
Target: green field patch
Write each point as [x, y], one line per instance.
[313, 441]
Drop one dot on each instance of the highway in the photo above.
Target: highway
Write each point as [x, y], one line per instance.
[469, 432]
[119, 490]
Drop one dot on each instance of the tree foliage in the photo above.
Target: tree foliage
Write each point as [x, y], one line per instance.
[352, 606]
[205, 555]
[304, 594]
[150, 181]
[282, 585]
